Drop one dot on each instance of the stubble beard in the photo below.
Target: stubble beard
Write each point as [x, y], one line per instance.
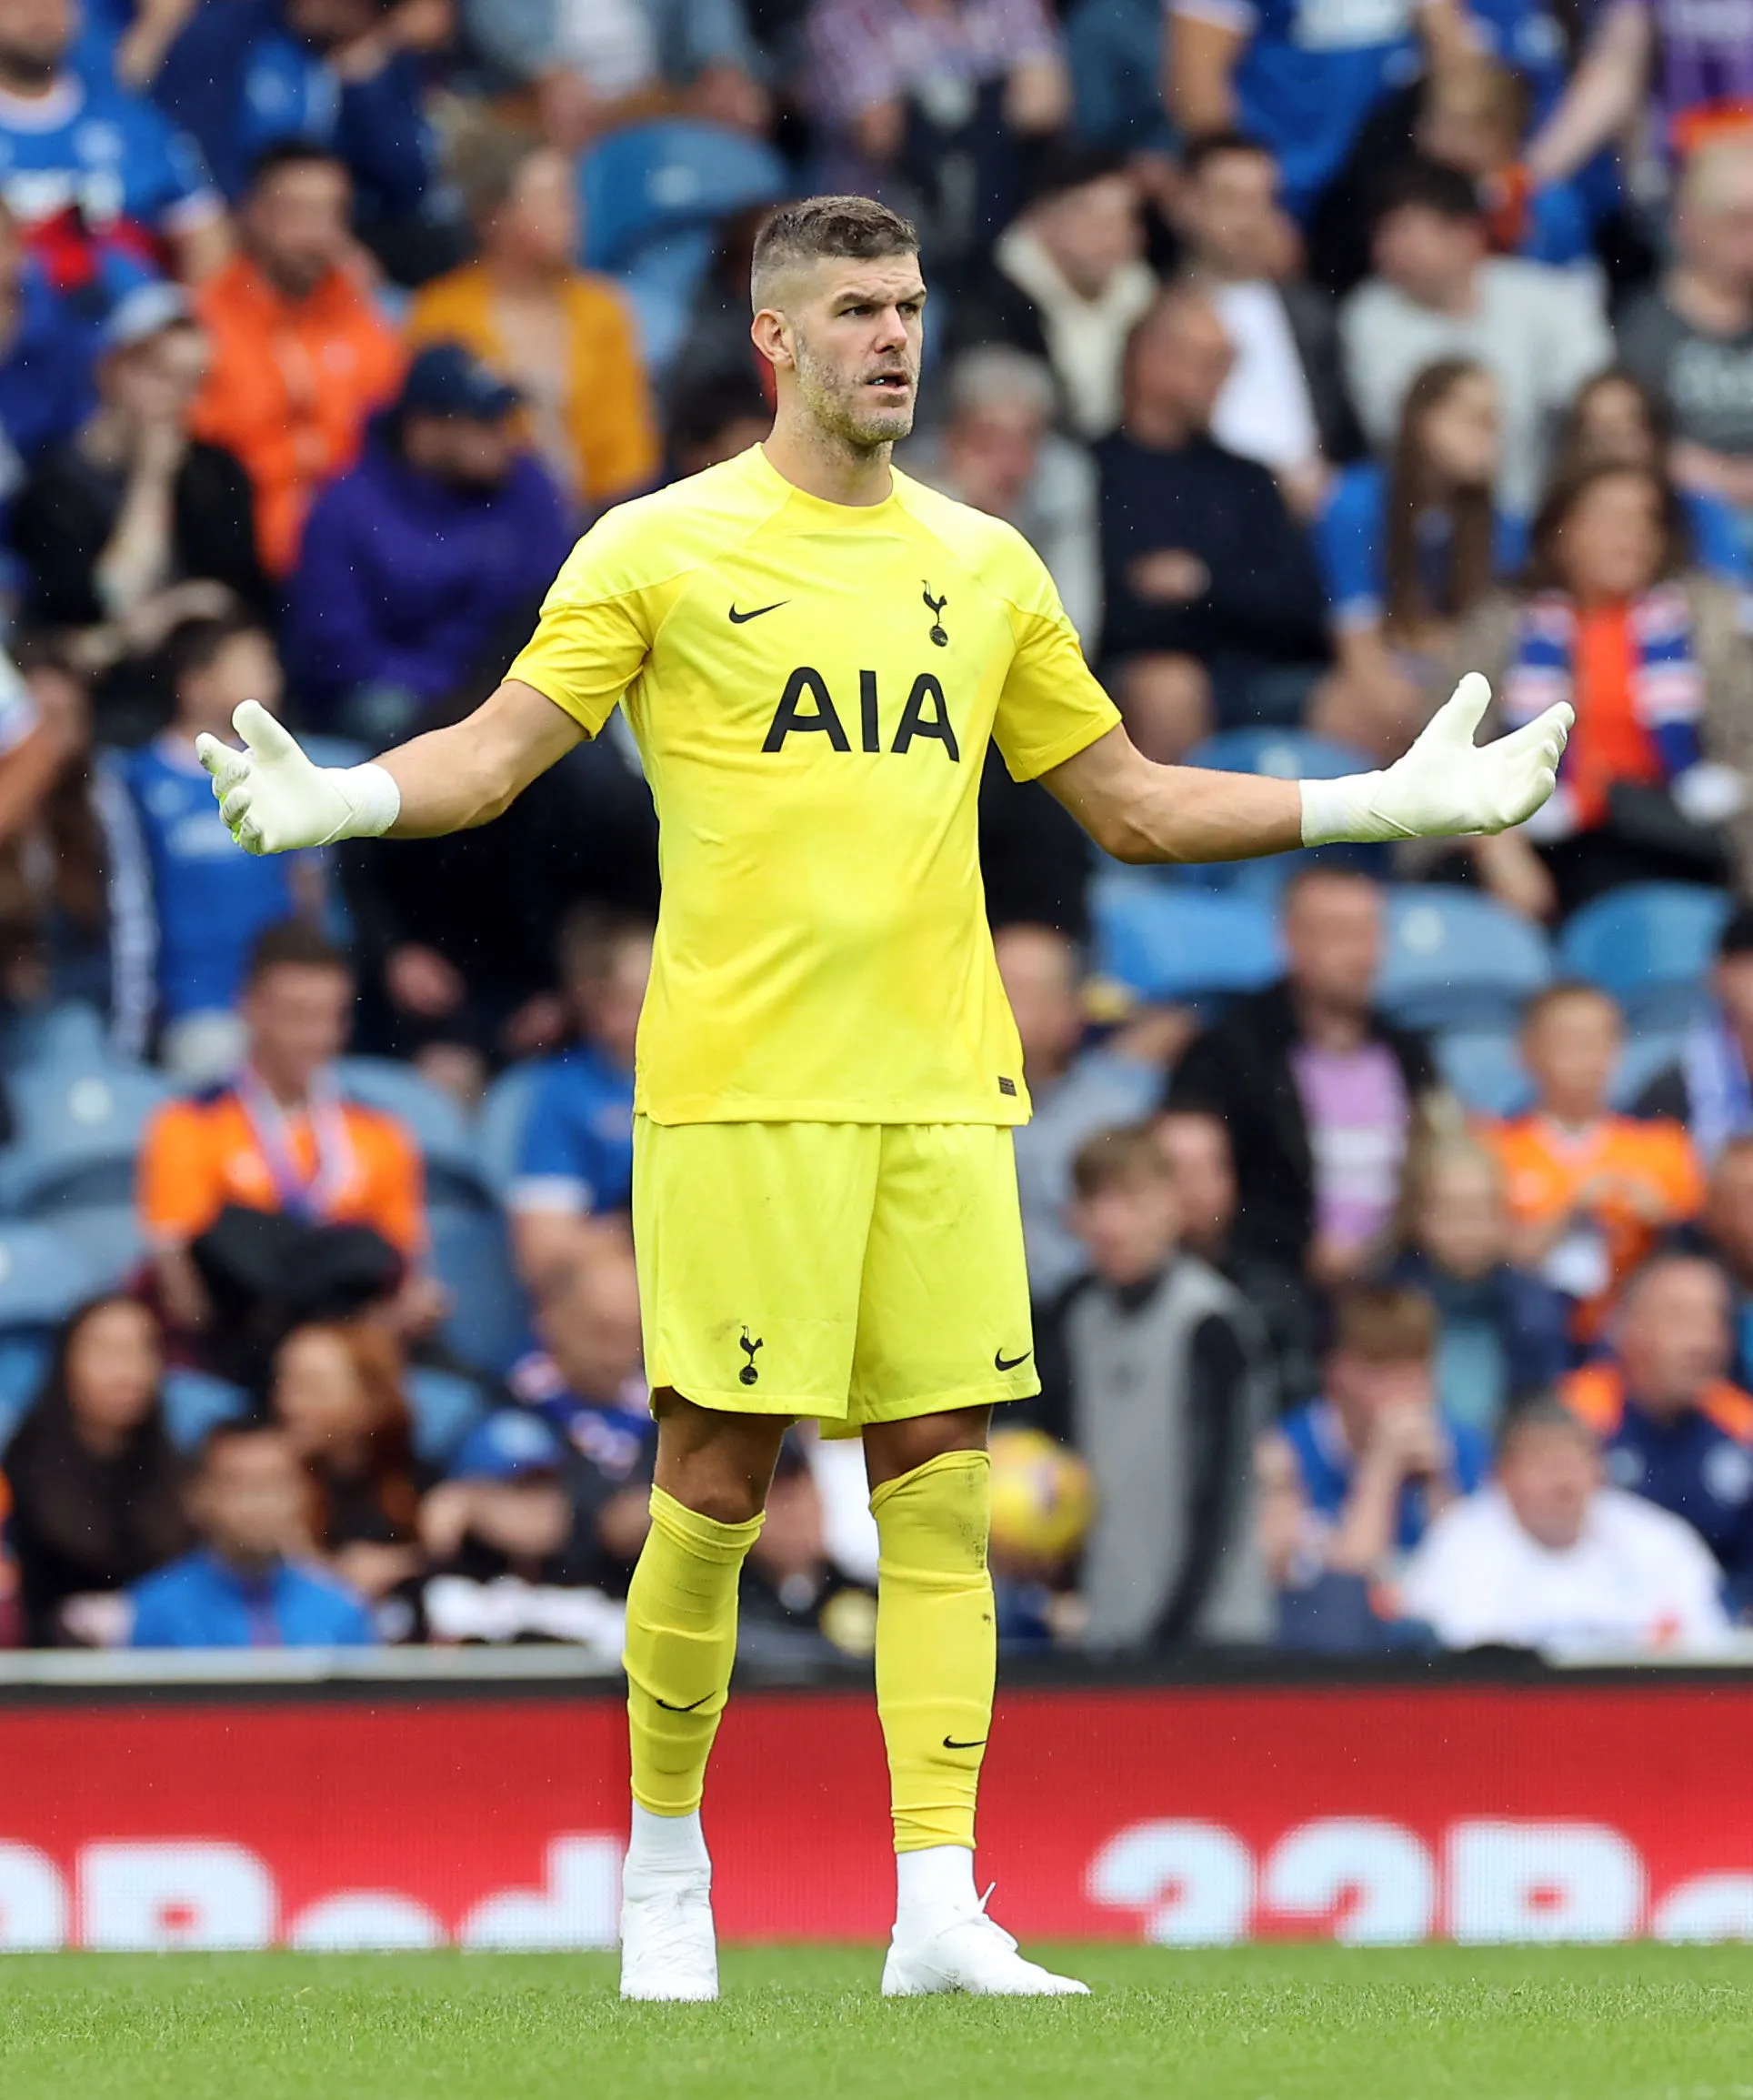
[840, 412]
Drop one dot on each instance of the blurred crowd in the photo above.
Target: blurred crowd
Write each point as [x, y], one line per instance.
[1390, 1216]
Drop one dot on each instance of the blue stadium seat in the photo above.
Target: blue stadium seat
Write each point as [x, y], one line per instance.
[78, 1135]
[1172, 944]
[1455, 958]
[71, 1037]
[1484, 1066]
[438, 1125]
[653, 198]
[499, 1127]
[488, 1325]
[445, 1406]
[1650, 945]
[43, 1277]
[195, 1402]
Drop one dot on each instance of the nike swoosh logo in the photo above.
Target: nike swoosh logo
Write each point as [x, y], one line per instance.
[688, 1709]
[978, 1743]
[741, 619]
[1000, 1361]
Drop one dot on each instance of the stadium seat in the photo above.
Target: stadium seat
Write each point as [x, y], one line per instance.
[1484, 1066]
[1455, 958]
[653, 198]
[488, 1323]
[1650, 945]
[78, 1135]
[445, 1406]
[195, 1402]
[438, 1125]
[499, 1127]
[69, 1038]
[43, 1277]
[1174, 944]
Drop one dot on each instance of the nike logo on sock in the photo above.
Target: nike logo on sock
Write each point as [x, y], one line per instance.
[978, 1743]
[687, 1709]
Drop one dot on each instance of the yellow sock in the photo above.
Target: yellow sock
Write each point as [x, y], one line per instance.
[937, 1644]
[681, 1640]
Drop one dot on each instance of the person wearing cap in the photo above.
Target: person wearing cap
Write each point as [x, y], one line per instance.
[132, 523]
[1709, 1086]
[421, 564]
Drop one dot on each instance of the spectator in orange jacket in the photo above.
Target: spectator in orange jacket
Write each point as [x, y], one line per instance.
[300, 356]
[561, 335]
[280, 1138]
[1588, 1191]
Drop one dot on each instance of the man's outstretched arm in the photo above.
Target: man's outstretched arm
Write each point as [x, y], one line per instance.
[1445, 785]
[275, 799]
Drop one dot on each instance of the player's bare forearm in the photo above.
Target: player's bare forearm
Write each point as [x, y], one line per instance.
[1141, 811]
[1445, 787]
[452, 778]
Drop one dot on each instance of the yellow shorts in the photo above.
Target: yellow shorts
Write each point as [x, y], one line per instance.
[855, 1272]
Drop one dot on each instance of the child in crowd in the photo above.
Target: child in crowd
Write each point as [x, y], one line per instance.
[1588, 1191]
[208, 901]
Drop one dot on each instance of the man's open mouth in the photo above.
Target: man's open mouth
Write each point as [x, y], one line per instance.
[892, 382]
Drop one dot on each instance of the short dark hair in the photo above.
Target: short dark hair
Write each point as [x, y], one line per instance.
[293, 944]
[1541, 1411]
[1430, 187]
[1067, 165]
[195, 645]
[1210, 146]
[856, 227]
[287, 152]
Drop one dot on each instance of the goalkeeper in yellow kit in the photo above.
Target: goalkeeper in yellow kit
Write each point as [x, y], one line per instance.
[814, 651]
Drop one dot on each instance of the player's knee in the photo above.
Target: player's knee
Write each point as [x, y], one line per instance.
[715, 1464]
[894, 1448]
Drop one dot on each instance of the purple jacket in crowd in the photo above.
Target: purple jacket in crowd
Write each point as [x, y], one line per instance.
[404, 581]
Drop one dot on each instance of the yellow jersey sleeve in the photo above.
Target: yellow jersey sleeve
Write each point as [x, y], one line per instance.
[596, 627]
[1051, 706]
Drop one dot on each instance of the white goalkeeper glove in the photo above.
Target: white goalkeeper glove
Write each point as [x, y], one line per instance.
[274, 801]
[1446, 786]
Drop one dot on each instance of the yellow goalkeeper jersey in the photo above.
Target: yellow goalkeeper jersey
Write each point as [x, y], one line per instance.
[813, 687]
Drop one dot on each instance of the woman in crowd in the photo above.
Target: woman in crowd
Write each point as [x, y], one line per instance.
[563, 336]
[1613, 618]
[1616, 418]
[1502, 1332]
[337, 1393]
[96, 1484]
[1408, 548]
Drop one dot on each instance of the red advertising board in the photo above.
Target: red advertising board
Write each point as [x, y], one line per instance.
[1188, 1816]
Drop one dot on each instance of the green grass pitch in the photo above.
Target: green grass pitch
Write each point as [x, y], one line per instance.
[1260, 2024]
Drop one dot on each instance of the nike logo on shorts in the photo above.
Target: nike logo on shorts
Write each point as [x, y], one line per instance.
[1000, 1361]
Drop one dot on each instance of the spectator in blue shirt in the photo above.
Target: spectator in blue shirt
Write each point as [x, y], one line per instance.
[576, 1159]
[421, 565]
[1375, 1458]
[1410, 547]
[46, 352]
[93, 174]
[343, 75]
[1673, 1427]
[209, 900]
[1301, 75]
[248, 1586]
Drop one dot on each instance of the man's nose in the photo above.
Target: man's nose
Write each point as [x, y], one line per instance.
[891, 332]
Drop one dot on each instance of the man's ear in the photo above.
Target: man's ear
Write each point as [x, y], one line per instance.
[771, 335]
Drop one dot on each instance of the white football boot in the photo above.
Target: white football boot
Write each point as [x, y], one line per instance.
[669, 1952]
[965, 1951]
